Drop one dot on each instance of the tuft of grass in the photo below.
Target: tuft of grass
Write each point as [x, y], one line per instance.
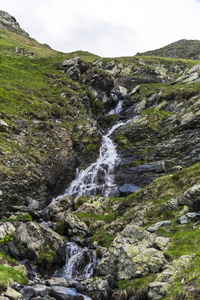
[10, 274]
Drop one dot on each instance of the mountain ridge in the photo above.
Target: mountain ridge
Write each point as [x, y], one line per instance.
[185, 49]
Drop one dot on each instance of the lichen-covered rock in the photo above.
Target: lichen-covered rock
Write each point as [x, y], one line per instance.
[12, 294]
[134, 262]
[58, 208]
[161, 243]
[157, 290]
[75, 226]
[134, 240]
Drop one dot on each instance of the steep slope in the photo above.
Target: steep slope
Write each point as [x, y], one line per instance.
[54, 109]
[185, 49]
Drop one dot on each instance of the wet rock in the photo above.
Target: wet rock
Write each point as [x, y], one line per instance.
[30, 270]
[63, 293]
[28, 292]
[57, 281]
[6, 229]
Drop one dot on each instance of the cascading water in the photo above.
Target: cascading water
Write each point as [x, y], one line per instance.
[98, 178]
[80, 263]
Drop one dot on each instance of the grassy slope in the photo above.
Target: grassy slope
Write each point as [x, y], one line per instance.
[31, 90]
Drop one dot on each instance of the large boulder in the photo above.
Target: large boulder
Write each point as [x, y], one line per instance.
[40, 244]
[191, 198]
[75, 226]
[134, 263]
[97, 287]
[132, 254]
[58, 208]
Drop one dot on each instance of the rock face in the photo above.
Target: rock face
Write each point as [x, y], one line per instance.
[8, 22]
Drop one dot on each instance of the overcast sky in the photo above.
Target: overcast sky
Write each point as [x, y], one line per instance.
[108, 28]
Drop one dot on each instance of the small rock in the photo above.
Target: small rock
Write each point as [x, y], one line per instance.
[155, 226]
[6, 229]
[3, 123]
[32, 204]
[12, 294]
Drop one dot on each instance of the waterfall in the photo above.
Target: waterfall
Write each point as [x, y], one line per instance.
[80, 263]
[98, 178]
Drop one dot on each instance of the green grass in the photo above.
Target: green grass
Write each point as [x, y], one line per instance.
[10, 274]
[138, 286]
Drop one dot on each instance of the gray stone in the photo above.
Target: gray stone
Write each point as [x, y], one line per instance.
[32, 203]
[75, 226]
[155, 226]
[6, 229]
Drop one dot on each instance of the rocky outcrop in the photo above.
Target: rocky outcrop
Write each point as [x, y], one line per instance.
[191, 198]
[8, 22]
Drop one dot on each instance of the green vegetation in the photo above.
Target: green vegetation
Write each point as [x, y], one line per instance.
[138, 286]
[155, 117]
[46, 254]
[7, 239]
[21, 217]
[60, 227]
[122, 141]
[96, 105]
[11, 274]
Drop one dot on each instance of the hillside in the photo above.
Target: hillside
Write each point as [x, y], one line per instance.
[99, 172]
[185, 49]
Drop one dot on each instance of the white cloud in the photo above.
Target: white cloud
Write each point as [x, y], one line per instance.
[107, 27]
